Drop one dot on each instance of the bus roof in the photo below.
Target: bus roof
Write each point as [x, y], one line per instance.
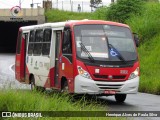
[80, 22]
[72, 23]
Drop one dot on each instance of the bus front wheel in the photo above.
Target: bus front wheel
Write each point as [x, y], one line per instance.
[65, 88]
[120, 98]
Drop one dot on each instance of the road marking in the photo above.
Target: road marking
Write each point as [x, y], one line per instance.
[10, 68]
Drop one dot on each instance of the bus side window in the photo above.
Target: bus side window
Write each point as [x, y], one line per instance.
[38, 42]
[66, 43]
[31, 42]
[46, 41]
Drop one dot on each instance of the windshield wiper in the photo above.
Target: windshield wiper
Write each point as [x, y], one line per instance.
[87, 52]
[117, 53]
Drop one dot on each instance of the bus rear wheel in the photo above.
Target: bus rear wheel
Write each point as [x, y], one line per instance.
[120, 98]
[34, 87]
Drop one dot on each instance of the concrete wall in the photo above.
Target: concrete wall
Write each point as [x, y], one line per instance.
[39, 19]
[23, 15]
[23, 12]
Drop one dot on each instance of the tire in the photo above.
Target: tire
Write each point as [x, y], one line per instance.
[34, 87]
[40, 89]
[65, 88]
[120, 98]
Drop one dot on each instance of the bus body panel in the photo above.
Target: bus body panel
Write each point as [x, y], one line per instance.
[20, 58]
[100, 82]
[84, 85]
[44, 67]
[118, 74]
[66, 70]
[40, 67]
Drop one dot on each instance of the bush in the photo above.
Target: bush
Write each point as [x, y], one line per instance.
[100, 13]
[123, 10]
[149, 66]
[148, 24]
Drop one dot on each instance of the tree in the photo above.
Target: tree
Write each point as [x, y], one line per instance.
[95, 3]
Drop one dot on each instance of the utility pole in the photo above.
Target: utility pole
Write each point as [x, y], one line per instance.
[20, 3]
[71, 4]
[32, 8]
[32, 4]
[57, 4]
[82, 6]
[62, 5]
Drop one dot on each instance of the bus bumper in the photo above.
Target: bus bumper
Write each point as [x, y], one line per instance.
[89, 86]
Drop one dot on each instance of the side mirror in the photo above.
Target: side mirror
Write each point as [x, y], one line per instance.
[136, 39]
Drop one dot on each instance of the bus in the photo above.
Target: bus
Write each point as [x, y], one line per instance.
[92, 57]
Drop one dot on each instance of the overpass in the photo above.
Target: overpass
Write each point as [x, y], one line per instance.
[9, 25]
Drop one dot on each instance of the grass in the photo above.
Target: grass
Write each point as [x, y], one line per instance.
[34, 101]
[59, 15]
[148, 23]
[56, 15]
[27, 101]
[148, 27]
[149, 66]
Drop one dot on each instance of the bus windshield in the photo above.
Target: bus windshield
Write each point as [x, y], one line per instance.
[105, 42]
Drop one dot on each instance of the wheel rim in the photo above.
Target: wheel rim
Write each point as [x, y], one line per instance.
[65, 88]
[32, 85]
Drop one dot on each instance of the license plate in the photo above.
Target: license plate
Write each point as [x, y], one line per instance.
[109, 92]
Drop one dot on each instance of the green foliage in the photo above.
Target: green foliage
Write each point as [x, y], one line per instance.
[149, 66]
[100, 13]
[147, 25]
[151, 0]
[95, 3]
[34, 101]
[59, 15]
[123, 10]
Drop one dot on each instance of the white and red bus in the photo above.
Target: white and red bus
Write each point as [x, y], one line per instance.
[82, 57]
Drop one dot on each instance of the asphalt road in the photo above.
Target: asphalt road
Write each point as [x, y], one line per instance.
[134, 102]
[7, 75]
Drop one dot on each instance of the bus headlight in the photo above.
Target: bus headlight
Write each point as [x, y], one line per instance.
[134, 74]
[83, 73]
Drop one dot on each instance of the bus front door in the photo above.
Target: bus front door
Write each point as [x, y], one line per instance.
[57, 52]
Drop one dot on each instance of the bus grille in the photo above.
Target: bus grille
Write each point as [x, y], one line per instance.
[101, 76]
[109, 86]
[114, 77]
